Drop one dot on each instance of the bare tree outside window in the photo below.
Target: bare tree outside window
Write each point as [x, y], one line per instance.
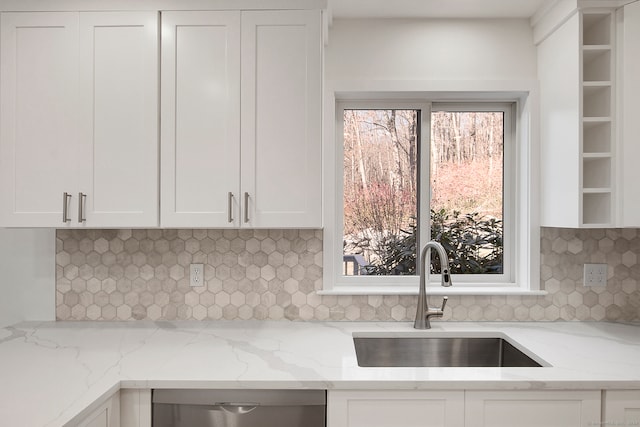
[380, 183]
[381, 176]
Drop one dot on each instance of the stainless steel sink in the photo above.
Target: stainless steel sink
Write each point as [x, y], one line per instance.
[439, 352]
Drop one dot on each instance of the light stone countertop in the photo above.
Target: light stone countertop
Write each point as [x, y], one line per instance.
[51, 372]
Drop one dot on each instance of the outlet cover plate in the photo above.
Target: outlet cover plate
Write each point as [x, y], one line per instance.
[595, 274]
[196, 275]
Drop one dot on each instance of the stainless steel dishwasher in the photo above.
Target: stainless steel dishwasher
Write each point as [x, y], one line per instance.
[239, 408]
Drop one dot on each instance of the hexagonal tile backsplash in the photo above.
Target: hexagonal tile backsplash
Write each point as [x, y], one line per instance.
[273, 274]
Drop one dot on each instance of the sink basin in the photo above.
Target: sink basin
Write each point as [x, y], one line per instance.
[439, 352]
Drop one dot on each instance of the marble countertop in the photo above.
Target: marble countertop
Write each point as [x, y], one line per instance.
[51, 372]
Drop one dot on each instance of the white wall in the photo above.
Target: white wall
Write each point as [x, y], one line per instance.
[27, 275]
[423, 49]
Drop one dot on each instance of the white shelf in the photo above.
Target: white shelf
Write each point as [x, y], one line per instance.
[596, 190]
[598, 74]
[596, 28]
[596, 101]
[596, 137]
[596, 208]
[596, 48]
[596, 172]
[596, 64]
[597, 83]
[596, 155]
[593, 120]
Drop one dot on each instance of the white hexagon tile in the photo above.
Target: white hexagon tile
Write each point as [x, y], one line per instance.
[273, 274]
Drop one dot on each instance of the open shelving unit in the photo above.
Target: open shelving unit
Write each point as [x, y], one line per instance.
[597, 77]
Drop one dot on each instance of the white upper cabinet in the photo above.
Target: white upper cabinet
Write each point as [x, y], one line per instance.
[576, 69]
[281, 119]
[200, 119]
[119, 118]
[241, 119]
[630, 90]
[39, 112]
[589, 104]
[79, 143]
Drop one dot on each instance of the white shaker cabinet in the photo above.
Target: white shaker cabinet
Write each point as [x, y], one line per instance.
[577, 122]
[458, 408]
[106, 415]
[630, 94]
[79, 143]
[200, 119]
[540, 408]
[621, 408]
[241, 119]
[119, 118]
[38, 115]
[385, 408]
[135, 407]
[281, 119]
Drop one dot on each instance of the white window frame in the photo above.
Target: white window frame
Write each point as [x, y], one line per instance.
[521, 276]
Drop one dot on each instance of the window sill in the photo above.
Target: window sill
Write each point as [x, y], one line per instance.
[434, 290]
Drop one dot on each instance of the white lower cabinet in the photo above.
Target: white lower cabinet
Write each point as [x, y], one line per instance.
[621, 408]
[386, 408]
[395, 408]
[135, 408]
[106, 415]
[532, 408]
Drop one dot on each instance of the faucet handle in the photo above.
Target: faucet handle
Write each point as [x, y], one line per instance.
[444, 303]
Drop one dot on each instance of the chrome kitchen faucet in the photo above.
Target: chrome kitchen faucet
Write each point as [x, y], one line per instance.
[424, 312]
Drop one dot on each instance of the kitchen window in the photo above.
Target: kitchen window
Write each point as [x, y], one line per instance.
[408, 172]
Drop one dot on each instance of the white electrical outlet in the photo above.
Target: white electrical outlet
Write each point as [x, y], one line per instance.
[196, 275]
[595, 274]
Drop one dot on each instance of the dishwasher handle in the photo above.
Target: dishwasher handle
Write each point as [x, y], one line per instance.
[237, 408]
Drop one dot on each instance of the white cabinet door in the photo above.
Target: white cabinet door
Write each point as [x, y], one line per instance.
[532, 408]
[39, 145]
[558, 72]
[258, 165]
[106, 415]
[622, 408]
[201, 119]
[630, 112]
[577, 122]
[79, 111]
[281, 119]
[119, 118]
[395, 408]
[135, 408]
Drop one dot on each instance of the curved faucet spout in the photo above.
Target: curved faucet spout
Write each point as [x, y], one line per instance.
[424, 312]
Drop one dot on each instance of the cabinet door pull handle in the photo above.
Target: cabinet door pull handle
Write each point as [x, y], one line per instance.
[81, 201]
[230, 211]
[65, 207]
[246, 207]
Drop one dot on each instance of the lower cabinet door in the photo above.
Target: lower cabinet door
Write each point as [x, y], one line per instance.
[106, 415]
[135, 407]
[395, 408]
[532, 408]
[621, 408]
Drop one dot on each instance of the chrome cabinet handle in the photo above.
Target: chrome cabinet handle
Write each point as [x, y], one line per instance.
[246, 207]
[81, 201]
[230, 203]
[65, 207]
